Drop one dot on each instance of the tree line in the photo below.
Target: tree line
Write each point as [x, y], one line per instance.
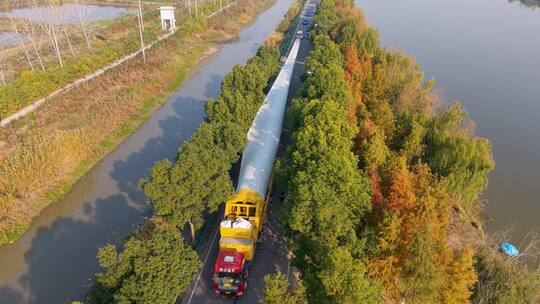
[384, 181]
[199, 179]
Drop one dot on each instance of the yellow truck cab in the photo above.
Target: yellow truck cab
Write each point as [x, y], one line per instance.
[244, 215]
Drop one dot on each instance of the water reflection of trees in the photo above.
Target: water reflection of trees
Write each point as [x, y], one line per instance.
[528, 3]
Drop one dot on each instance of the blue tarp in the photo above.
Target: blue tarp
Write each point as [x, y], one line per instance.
[509, 249]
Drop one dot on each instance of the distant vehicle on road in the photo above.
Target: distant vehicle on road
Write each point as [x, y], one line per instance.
[299, 34]
[305, 22]
[308, 13]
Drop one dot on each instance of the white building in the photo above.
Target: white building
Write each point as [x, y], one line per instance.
[168, 21]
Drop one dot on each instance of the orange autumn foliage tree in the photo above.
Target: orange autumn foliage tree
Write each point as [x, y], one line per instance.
[399, 188]
[385, 266]
[463, 277]
[414, 216]
[355, 73]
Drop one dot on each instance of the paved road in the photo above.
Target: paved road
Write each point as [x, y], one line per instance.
[272, 254]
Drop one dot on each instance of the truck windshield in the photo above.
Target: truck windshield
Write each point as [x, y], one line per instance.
[227, 277]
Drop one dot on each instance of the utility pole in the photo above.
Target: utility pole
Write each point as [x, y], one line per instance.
[141, 32]
[140, 14]
[29, 27]
[52, 9]
[2, 71]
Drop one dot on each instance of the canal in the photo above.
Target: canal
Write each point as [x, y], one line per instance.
[484, 53]
[55, 260]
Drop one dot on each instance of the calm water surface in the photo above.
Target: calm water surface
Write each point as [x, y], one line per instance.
[54, 261]
[9, 39]
[485, 53]
[69, 12]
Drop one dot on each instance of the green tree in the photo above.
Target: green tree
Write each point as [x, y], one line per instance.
[373, 149]
[154, 267]
[462, 278]
[199, 179]
[276, 291]
[408, 137]
[326, 17]
[451, 152]
[425, 278]
[324, 52]
[354, 31]
[329, 194]
[328, 83]
[345, 280]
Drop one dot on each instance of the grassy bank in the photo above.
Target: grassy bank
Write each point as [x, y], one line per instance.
[41, 156]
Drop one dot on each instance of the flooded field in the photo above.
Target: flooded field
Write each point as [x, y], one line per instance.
[68, 13]
[9, 39]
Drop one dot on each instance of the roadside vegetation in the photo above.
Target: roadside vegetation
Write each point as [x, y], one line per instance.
[155, 266]
[182, 192]
[383, 183]
[43, 154]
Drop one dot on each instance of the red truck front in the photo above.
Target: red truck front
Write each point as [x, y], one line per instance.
[230, 274]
